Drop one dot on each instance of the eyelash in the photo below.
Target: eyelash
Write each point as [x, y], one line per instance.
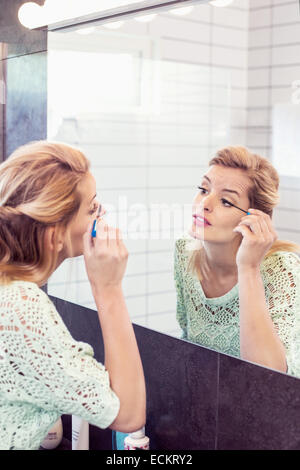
[222, 199]
[95, 207]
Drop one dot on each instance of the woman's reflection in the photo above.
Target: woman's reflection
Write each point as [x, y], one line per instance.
[238, 286]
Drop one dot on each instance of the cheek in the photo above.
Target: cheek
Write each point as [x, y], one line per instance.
[83, 225]
[79, 229]
[234, 220]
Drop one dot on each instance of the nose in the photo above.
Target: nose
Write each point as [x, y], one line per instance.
[207, 202]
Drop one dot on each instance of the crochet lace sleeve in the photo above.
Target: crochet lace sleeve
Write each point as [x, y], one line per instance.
[51, 369]
[282, 288]
[178, 278]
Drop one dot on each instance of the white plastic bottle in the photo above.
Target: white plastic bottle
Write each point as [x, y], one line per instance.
[80, 433]
[54, 436]
[136, 440]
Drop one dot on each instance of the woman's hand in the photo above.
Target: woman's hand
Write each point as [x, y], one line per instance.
[105, 256]
[258, 236]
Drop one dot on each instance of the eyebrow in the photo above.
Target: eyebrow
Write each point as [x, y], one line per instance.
[227, 190]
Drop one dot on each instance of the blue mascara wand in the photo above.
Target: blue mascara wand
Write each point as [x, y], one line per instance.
[94, 229]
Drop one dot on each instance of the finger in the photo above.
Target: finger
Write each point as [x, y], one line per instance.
[266, 224]
[256, 212]
[253, 224]
[265, 227]
[269, 232]
[102, 231]
[123, 249]
[112, 237]
[271, 227]
[118, 236]
[244, 231]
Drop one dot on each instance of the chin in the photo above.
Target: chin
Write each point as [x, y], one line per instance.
[196, 233]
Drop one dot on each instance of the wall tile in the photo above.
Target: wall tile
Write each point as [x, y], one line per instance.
[259, 57]
[285, 34]
[259, 18]
[287, 54]
[288, 13]
[259, 77]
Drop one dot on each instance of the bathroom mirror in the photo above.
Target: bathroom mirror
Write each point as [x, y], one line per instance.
[149, 100]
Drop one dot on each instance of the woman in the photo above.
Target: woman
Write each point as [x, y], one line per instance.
[238, 287]
[47, 208]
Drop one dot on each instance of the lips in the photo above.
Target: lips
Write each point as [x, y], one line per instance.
[199, 218]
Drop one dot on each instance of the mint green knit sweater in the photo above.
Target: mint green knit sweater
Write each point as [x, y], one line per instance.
[44, 372]
[214, 322]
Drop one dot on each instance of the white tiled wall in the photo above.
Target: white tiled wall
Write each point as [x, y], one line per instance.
[217, 67]
[274, 63]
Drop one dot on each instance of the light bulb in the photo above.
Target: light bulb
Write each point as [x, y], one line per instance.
[30, 15]
[221, 3]
[114, 25]
[181, 11]
[85, 31]
[146, 18]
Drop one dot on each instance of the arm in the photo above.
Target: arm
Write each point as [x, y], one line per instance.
[122, 359]
[259, 341]
[106, 259]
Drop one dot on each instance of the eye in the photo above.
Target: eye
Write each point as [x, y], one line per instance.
[224, 201]
[94, 209]
[201, 189]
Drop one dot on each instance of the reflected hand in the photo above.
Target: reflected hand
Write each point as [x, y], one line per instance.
[258, 236]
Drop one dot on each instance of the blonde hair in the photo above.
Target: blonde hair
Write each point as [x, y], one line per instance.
[262, 194]
[38, 189]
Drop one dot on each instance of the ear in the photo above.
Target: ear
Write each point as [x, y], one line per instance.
[50, 235]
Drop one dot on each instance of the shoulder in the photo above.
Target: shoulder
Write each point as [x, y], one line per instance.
[282, 264]
[282, 260]
[29, 298]
[185, 244]
[181, 254]
[23, 291]
[180, 245]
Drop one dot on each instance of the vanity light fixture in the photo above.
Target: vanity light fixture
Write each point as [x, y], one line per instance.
[62, 14]
[181, 11]
[146, 18]
[31, 15]
[220, 3]
[86, 31]
[113, 25]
